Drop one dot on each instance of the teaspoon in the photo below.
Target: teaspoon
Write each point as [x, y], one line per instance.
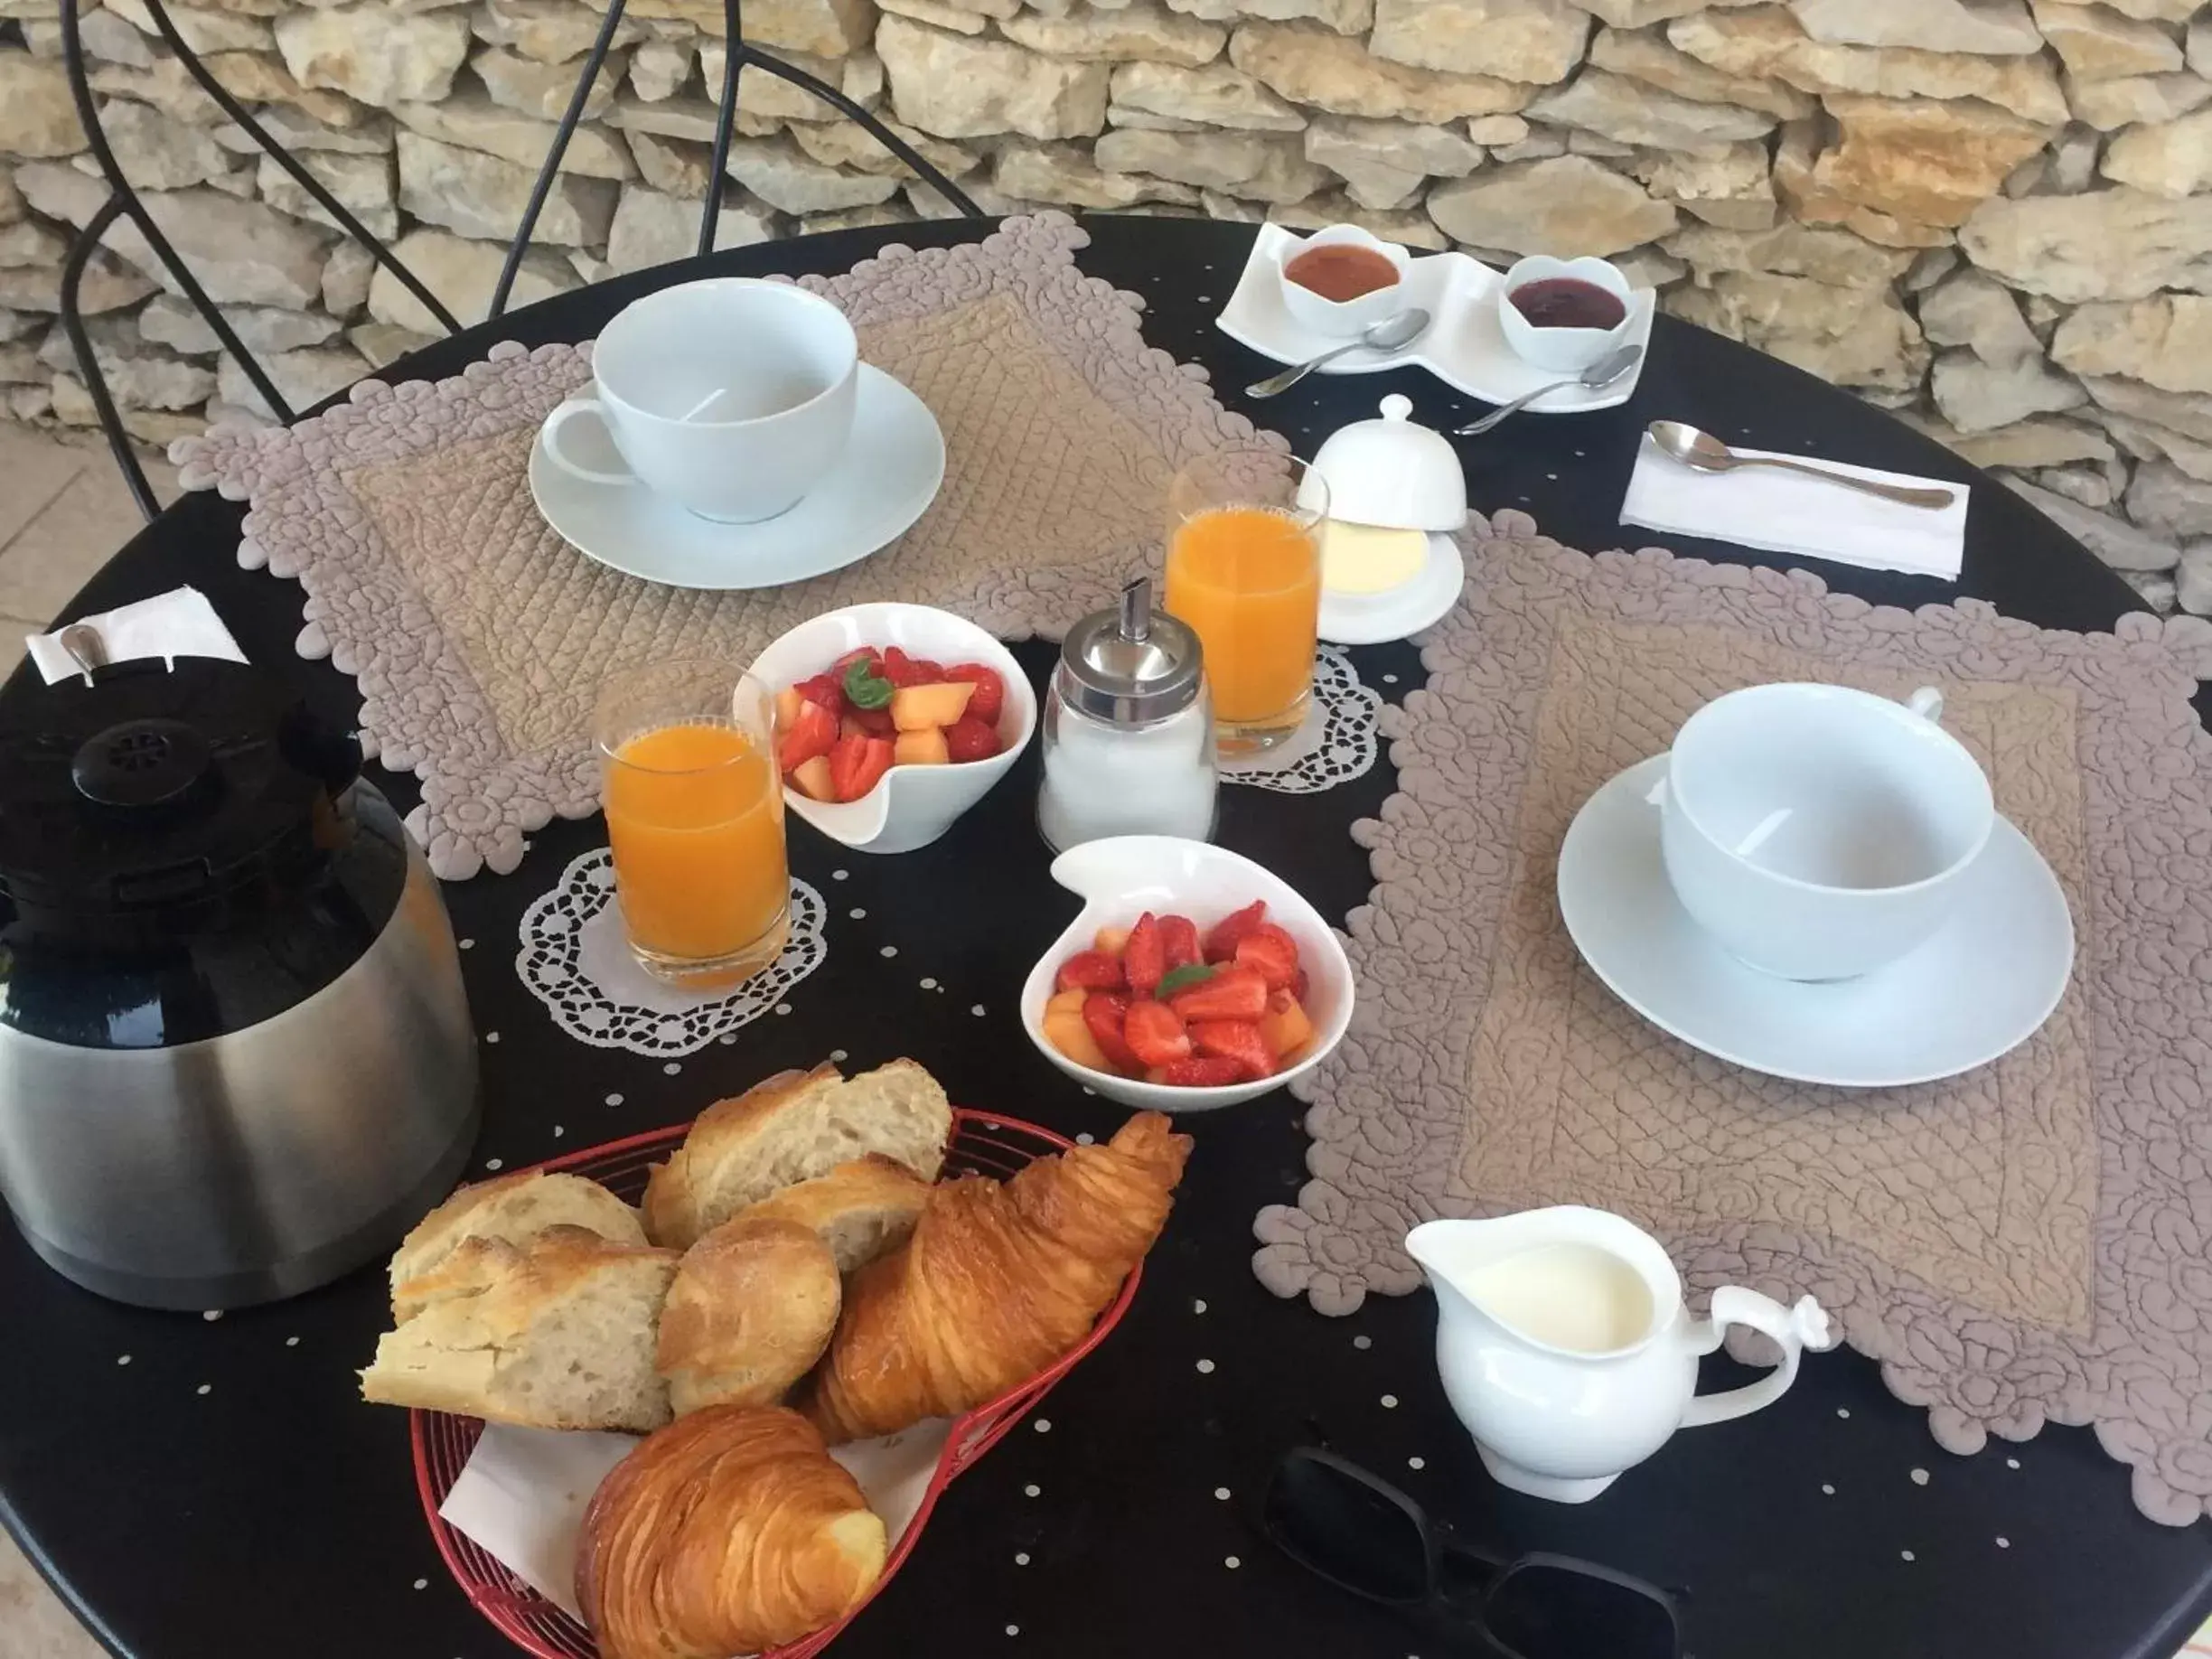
[1595, 378]
[1392, 334]
[1707, 453]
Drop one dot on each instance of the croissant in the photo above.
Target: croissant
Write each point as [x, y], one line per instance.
[998, 1280]
[730, 1531]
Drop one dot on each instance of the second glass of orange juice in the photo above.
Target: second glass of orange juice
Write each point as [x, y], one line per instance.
[1244, 571]
[694, 816]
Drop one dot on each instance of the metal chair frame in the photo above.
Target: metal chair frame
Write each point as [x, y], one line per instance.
[123, 201]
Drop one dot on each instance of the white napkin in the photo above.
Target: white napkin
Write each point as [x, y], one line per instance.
[523, 1493]
[1788, 513]
[180, 623]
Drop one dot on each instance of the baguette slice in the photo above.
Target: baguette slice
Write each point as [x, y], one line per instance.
[859, 1210]
[515, 1208]
[793, 1127]
[749, 1312]
[558, 1333]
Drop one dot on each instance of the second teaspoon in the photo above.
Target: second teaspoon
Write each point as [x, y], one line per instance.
[1392, 334]
[1704, 452]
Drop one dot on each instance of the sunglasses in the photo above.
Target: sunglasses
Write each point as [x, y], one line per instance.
[1361, 1533]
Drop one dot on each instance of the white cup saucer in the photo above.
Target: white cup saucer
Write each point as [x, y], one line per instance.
[884, 481]
[1977, 989]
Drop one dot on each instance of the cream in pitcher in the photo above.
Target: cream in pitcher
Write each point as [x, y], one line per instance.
[1566, 1351]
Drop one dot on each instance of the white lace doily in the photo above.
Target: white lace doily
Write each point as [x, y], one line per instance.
[1336, 744]
[575, 961]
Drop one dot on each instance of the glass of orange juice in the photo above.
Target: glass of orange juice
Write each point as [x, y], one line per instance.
[1244, 571]
[695, 815]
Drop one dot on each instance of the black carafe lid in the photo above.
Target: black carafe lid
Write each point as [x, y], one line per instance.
[135, 806]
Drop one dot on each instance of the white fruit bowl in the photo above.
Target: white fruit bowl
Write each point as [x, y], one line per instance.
[913, 805]
[1122, 878]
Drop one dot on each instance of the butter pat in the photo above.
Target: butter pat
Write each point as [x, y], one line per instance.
[1363, 558]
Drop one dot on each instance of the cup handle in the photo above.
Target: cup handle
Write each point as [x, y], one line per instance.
[551, 434]
[1796, 1329]
[1926, 702]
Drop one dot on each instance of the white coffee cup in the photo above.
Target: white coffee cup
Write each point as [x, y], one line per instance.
[1818, 832]
[731, 396]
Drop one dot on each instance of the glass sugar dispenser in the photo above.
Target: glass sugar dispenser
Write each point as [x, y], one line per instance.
[1128, 729]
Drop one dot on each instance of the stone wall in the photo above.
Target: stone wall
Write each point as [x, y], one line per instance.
[1992, 216]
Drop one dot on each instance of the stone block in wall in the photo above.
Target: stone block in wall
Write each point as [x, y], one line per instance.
[670, 165]
[1975, 396]
[1385, 164]
[2170, 158]
[2199, 49]
[847, 144]
[481, 195]
[2117, 542]
[251, 78]
[1145, 32]
[1343, 16]
[2116, 244]
[462, 273]
[138, 376]
[661, 69]
[2167, 502]
[11, 201]
[295, 132]
[2193, 579]
[158, 152]
[550, 31]
[1632, 112]
[1541, 144]
[1066, 173]
[1217, 94]
[2030, 444]
[1310, 65]
[1999, 28]
[474, 122]
[1257, 167]
[963, 88]
[2097, 42]
[111, 40]
[29, 243]
[653, 228]
[1537, 41]
[71, 404]
[380, 344]
[1410, 229]
[1567, 206]
[305, 377]
[2110, 105]
[2165, 340]
[201, 28]
[1974, 311]
[2183, 412]
[374, 53]
[766, 99]
[544, 89]
[784, 176]
[1645, 55]
[1804, 193]
[1836, 257]
[1927, 162]
[939, 14]
[108, 285]
[1732, 189]
[2147, 441]
[38, 117]
[828, 28]
[174, 323]
[345, 279]
[362, 184]
[1854, 337]
[1766, 42]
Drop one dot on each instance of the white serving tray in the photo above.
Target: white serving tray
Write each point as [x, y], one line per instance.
[1464, 347]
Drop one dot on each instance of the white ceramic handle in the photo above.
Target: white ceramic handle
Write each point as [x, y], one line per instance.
[1793, 1328]
[1926, 702]
[561, 417]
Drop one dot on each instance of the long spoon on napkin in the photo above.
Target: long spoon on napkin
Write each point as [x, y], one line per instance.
[1707, 453]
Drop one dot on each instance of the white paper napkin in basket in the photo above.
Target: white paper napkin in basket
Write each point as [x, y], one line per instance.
[522, 1493]
[180, 623]
[1788, 513]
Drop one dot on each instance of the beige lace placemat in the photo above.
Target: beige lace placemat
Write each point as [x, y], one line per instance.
[2025, 1243]
[479, 637]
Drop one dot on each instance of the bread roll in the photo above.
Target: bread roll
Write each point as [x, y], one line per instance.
[749, 1312]
[859, 1210]
[515, 1208]
[731, 1532]
[556, 1333]
[793, 1127]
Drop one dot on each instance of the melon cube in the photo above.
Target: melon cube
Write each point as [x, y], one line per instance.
[917, 709]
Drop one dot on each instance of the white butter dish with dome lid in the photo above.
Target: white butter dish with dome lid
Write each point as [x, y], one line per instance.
[1397, 495]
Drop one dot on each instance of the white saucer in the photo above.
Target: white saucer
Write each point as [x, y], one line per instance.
[1369, 619]
[1464, 347]
[885, 481]
[1978, 989]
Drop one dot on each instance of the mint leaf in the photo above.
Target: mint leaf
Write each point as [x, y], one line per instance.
[1182, 979]
[865, 689]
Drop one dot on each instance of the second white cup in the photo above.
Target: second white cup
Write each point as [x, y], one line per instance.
[1818, 832]
[731, 396]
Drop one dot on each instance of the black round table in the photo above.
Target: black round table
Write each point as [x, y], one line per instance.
[209, 1489]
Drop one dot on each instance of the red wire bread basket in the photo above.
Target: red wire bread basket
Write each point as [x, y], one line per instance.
[982, 1144]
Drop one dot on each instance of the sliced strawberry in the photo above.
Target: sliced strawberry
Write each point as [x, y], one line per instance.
[1234, 1039]
[969, 739]
[857, 764]
[1231, 931]
[813, 732]
[875, 722]
[1234, 993]
[1271, 953]
[1145, 958]
[867, 653]
[828, 689]
[900, 669]
[1107, 1015]
[1201, 1072]
[1091, 970]
[933, 672]
[1179, 941]
[1155, 1036]
[989, 690]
